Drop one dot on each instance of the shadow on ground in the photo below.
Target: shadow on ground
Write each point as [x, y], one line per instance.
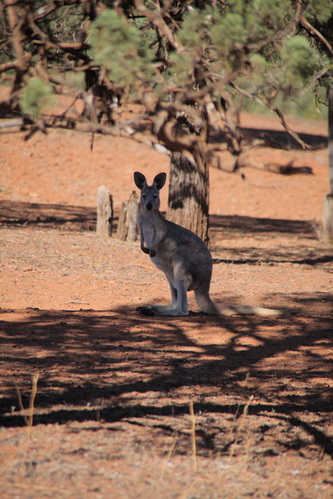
[79, 218]
[117, 365]
[21, 214]
[282, 140]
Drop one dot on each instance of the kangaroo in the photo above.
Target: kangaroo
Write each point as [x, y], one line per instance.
[181, 255]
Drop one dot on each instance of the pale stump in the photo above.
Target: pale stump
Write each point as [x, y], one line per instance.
[104, 212]
[127, 224]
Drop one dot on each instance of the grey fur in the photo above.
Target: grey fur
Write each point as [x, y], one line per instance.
[181, 255]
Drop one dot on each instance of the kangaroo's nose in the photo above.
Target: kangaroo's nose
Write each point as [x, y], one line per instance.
[149, 206]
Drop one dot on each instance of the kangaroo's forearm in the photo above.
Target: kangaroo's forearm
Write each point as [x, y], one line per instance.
[142, 243]
[151, 248]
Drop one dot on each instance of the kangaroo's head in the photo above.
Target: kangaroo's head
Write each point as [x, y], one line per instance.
[150, 196]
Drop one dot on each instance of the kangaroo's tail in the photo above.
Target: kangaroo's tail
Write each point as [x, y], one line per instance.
[208, 307]
[248, 310]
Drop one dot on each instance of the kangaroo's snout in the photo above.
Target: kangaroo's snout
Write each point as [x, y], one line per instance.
[149, 206]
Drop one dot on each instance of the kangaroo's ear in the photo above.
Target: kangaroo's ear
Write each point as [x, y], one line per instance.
[159, 180]
[139, 179]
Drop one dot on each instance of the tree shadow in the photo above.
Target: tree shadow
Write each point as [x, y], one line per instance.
[18, 214]
[81, 218]
[254, 255]
[231, 224]
[283, 140]
[300, 249]
[116, 365]
[277, 139]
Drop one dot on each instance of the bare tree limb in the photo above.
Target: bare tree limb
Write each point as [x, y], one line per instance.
[156, 18]
[12, 64]
[315, 32]
[277, 111]
[15, 23]
[285, 125]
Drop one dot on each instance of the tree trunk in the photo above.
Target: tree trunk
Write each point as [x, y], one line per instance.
[188, 201]
[328, 219]
[104, 212]
[330, 137]
[17, 25]
[328, 204]
[127, 223]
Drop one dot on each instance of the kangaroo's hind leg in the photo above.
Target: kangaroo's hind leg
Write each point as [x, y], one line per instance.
[181, 304]
[180, 281]
[174, 294]
[178, 306]
[207, 306]
[203, 299]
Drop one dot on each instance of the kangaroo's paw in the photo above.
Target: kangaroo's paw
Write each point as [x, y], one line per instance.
[145, 250]
[161, 311]
[146, 311]
[152, 253]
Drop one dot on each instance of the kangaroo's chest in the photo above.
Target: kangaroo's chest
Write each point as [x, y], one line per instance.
[152, 228]
[150, 236]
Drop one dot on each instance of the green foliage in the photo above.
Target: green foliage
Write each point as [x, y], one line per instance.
[299, 61]
[194, 37]
[195, 28]
[148, 34]
[224, 40]
[270, 17]
[229, 33]
[118, 46]
[251, 22]
[319, 10]
[302, 104]
[36, 97]
[248, 46]
[254, 45]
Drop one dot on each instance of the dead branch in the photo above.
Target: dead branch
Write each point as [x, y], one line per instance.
[285, 125]
[165, 127]
[11, 123]
[8, 65]
[16, 22]
[44, 11]
[313, 31]
[61, 45]
[156, 18]
[276, 110]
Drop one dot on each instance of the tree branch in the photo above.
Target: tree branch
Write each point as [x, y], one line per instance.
[315, 32]
[285, 125]
[156, 18]
[277, 111]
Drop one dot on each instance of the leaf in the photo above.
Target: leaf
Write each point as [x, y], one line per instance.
[37, 96]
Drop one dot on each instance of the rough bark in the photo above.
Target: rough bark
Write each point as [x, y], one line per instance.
[189, 195]
[328, 219]
[328, 203]
[104, 212]
[16, 24]
[330, 137]
[127, 223]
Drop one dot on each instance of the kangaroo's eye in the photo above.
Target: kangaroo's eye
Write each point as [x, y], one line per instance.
[155, 195]
[144, 196]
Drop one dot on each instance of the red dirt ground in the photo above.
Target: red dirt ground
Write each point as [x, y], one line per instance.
[112, 408]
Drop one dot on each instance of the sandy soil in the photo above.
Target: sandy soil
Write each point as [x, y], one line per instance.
[113, 389]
